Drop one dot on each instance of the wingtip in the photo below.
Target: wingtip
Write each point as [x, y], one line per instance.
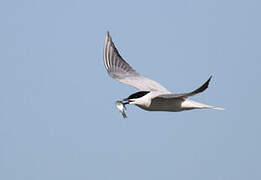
[108, 36]
[207, 82]
[210, 78]
[108, 33]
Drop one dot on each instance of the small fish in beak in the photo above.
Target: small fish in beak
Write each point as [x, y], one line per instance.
[121, 107]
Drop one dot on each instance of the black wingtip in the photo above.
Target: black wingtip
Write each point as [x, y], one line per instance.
[210, 77]
[203, 87]
[207, 82]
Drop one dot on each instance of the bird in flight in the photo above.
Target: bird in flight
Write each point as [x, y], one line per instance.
[151, 96]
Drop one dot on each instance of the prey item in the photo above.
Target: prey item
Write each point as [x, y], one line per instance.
[121, 107]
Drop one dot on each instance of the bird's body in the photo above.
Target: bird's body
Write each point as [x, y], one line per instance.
[151, 95]
[156, 101]
[152, 102]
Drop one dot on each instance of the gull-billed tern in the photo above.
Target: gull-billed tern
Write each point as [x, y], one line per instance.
[151, 95]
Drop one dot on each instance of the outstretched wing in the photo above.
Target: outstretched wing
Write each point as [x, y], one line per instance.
[120, 70]
[186, 95]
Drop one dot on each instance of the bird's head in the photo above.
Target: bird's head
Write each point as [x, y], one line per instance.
[134, 98]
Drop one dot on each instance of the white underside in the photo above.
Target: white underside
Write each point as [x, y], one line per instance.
[176, 105]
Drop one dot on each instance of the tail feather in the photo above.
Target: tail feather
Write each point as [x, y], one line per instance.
[197, 105]
[217, 108]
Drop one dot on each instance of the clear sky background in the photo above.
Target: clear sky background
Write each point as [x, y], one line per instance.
[57, 113]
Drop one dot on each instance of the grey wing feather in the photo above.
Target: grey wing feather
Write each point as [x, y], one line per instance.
[120, 70]
[186, 95]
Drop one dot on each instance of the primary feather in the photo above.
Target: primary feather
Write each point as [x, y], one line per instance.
[120, 70]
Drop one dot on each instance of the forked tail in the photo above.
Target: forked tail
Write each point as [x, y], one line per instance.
[196, 105]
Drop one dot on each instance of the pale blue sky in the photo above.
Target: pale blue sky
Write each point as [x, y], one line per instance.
[57, 113]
